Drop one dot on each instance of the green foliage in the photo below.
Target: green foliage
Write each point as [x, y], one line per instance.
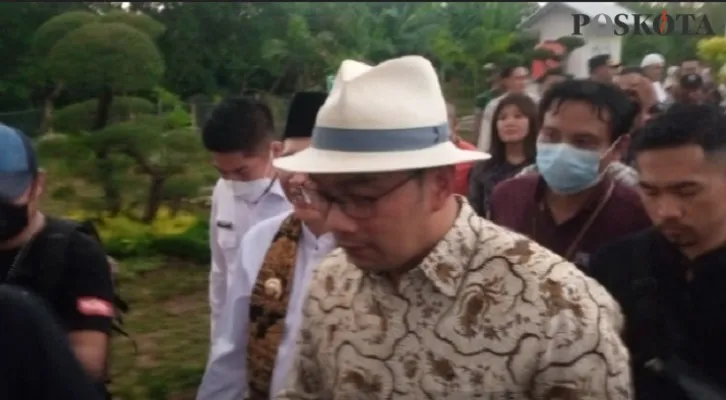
[142, 22]
[62, 146]
[192, 245]
[571, 43]
[182, 236]
[56, 28]
[713, 51]
[153, 141]
[79, 117]
[20, 68]
[111, 55]
[510, 60]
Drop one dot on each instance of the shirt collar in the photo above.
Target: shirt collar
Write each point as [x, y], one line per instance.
[590, 204]
[322, 242]
[276, 190]
[446, 265]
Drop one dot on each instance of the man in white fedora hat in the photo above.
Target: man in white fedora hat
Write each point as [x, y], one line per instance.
[424, 299]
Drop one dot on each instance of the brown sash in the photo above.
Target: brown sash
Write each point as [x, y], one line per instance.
[268, 306]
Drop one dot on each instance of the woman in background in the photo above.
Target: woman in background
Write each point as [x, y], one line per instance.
[514, 131]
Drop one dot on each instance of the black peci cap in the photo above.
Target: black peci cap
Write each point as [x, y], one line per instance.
[301, 115]
[691, 81]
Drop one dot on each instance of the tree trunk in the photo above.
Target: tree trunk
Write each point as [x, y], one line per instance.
[105, 168]
[278, 81]
[49, 107]
[103, 110]
[153, 201]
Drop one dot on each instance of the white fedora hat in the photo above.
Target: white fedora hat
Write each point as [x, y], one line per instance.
[390, 117]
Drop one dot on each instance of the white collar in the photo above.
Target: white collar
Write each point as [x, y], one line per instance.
[324, 241]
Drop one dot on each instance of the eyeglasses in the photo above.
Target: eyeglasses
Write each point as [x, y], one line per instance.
[356, 207]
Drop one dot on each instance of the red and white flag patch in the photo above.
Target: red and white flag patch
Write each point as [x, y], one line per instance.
[95, 307]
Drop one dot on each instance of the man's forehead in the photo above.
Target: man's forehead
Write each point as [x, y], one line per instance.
[576, 110]
[356, 179]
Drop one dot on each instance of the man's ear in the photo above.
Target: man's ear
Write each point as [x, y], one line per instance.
[619, 149]
[39, 184]
[443, 179]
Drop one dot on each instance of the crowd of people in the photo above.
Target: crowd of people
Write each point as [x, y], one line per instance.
[574, 252]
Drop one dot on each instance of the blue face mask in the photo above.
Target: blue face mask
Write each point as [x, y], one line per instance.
[567, 170]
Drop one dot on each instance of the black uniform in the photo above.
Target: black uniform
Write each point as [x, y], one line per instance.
[36, 361]
[80, 291]
[675, 309]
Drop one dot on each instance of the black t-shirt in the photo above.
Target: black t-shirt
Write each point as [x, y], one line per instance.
[7, 257]
[82, 297]
[36, 362]
[695, 306]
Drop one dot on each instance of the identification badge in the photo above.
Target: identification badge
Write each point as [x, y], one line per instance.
[225, 225]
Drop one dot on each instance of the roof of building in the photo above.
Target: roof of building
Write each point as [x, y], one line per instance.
[590, 9]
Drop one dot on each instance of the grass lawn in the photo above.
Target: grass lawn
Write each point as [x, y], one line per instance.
[168, 321]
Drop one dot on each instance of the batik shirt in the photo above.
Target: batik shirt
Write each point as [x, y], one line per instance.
[488, 314]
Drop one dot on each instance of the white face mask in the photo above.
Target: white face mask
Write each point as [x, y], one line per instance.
[249, 191]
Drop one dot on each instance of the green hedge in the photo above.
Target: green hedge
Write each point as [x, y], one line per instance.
[79, 117]
[191, 245]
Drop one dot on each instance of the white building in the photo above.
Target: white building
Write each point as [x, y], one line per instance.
[554, 20]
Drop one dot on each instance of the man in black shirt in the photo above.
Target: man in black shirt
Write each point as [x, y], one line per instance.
[36, 362]
[76, 284]
[671, 281]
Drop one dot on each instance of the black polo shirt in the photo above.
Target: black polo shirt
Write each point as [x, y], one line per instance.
[696, 305]
[82, 289]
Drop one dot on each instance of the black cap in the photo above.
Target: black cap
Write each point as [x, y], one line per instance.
[691, 81]
[601, 60]
[301, 115]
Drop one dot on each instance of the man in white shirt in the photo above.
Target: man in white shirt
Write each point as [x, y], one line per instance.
[260, 317]
[239, 133]
[514, 80]
[653, 65]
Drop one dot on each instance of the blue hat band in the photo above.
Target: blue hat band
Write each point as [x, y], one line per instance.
[379, 140]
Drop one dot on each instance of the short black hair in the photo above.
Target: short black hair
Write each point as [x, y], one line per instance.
[602, 96]
[632, 70]
[682, 125]
[238, 124]
[597, 61]
[506, 72]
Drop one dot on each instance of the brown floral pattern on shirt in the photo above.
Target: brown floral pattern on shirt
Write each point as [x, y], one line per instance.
[488, 314]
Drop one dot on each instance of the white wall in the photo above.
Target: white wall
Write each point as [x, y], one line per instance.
[558, 23]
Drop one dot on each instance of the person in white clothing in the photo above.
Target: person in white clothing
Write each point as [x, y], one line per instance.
[653, 65]
[239, 133]
[259, 319]
[514, 80]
